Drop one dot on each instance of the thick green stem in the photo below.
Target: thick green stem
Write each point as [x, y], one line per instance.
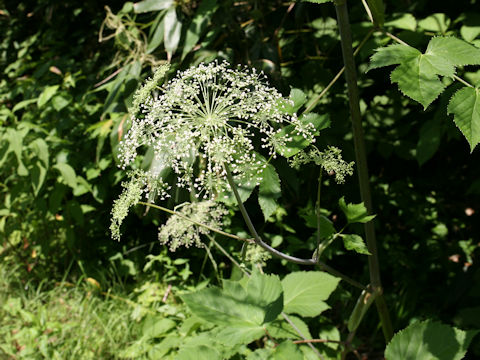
[361, 159]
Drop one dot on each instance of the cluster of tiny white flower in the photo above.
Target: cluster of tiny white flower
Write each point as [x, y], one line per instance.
[178, 231]
[214, 114]
[141, 184]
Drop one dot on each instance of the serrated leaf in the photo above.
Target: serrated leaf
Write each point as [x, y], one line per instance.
[418, 74]
[465, 106]
[355, 213]
[157, 326]
[67, 173]
[454, 51]
[151, 5]
[355, 242]
[172, 31]
[260, 303]
[304, 292]
[269, 191]
[429, 340]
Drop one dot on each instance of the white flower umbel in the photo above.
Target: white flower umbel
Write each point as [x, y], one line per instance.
[208, 116]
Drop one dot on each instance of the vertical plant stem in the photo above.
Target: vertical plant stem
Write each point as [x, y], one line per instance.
[361, 159]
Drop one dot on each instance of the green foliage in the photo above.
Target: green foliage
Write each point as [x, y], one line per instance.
[429, 339]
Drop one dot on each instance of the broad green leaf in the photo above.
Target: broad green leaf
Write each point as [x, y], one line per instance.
[330, 332]
[436, 22]
[392, 55]
[304, 292]
[378, 11]
[40, 148]
[15, 145]
[281, 329]
[198, 25]
[23, 104]
[298, 142]
[261, 302]
[59, 102]
[152, 5]
[429, 340]
[453, 51]
[298, 98]
[355, 243]
[465, 107]
[47, 95]
[238, 335]
[355, 213]
[403, 21]
[269, 191]
[287, 351]
[135, 350]
[417, 79]
[157, 326]
[172, 31]
[67, 173]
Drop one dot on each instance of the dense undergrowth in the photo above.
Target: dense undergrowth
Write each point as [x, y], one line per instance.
[68, 291]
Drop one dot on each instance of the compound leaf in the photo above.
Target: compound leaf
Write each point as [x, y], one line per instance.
[269, 191]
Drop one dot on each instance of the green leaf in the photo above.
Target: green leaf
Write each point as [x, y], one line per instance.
[47, 95]
[260, 303]
[40, 148]
[298, 142]
[453, 51]
[378, 11]
[437, 22]
[429, 340]
[15, 145]
[198, 25]
[287, 351]
[298, 98]
[152, 5]
[355, 213]
[37, 175]
[269, 191]
[172, 31]
[59, 102]
[157, 326]
[465, 106]
[418, 74]
[403, 21]
[355, 243]
[67, 173]
[304, 292]
[281, 329]
[200, 347]
[23, 104]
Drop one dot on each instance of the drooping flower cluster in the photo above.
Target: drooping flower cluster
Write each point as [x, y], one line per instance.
[216, 115]
[179, 231]
[141, 184]
[330, 160]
